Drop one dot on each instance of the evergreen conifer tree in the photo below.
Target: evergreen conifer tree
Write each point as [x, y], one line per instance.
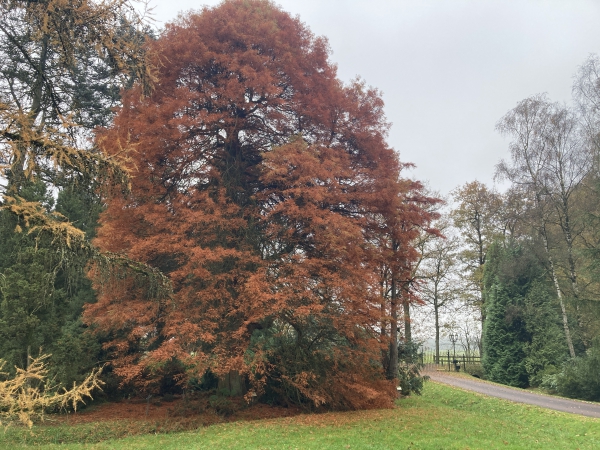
[522, 334]
[43, 290]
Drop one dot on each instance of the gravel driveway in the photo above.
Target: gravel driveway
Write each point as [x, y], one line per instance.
[517, 395]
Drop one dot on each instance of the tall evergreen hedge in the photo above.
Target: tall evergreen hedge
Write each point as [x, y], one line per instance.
[522, 336]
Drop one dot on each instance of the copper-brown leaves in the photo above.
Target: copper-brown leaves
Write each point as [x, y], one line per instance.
[257, 179]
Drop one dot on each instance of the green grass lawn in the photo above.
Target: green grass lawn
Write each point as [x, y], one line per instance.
[442, 418]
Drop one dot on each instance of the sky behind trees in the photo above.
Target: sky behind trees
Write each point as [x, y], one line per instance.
[448, 70]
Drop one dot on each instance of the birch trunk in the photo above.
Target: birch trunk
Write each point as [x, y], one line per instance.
[560, 300]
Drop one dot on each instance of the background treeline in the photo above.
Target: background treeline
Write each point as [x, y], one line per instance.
[530, 254]
[253, 233]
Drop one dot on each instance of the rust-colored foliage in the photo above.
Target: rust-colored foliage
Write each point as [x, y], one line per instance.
[256, 180]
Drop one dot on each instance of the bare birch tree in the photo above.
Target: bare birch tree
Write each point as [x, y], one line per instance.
[548, 163]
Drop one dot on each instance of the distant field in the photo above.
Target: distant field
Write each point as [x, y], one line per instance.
[443, 418]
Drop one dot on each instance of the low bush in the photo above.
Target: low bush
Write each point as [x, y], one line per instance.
[409, 368]
[579, 377]
[475, 370]
[222, 405]
[410, 379]
[316, 370]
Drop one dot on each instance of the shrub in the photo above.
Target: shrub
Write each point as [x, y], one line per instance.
[579, 377]
[222, 405]
[409, 368]
[315, 372]
[410, 379]
[475, 370]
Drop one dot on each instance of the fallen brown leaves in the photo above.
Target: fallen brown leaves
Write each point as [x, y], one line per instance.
[168, 415]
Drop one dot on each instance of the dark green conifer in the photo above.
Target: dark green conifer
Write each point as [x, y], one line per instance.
[522, 333]
[43, 289]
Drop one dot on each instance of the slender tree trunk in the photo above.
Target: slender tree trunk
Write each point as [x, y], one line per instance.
[234, 383]
[385, 354]
[483, 315]
[407, 321]
[481, 262]
[17, 168]
[38, 86]
[393, 369]
[560, 298]
[565, 225]
[437, 333]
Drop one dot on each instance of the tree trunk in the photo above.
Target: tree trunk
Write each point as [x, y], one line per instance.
[233, 383]
[437, 334]
[385, 354]
[483, 315]
[17, 169]
[393, 369]
[407, 322]
[560, 299]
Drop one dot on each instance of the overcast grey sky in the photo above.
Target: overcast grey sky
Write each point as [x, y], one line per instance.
[448, 69]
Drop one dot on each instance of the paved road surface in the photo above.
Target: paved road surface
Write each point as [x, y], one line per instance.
[518, 395]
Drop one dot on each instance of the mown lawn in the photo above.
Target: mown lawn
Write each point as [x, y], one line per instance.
[442, 418]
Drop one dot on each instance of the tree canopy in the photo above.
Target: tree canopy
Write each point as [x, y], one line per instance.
[257, 182]
[62, 65]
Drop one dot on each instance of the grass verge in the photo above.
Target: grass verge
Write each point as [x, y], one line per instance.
[443, 417]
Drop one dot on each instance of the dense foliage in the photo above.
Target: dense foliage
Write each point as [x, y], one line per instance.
[578, 378]
[533, 250]
[42, 292]
[265, 190]
[62, 64]
[522, 334]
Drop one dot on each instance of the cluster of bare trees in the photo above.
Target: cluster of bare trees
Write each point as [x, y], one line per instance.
[552, 199]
